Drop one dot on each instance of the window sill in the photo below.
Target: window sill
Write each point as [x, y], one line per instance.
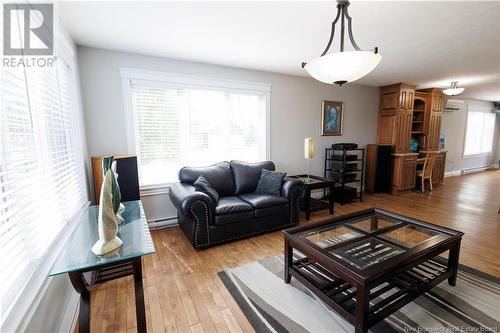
[159, 189]
[478, 155]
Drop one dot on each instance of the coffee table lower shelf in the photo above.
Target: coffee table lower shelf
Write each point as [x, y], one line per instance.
[341, 296]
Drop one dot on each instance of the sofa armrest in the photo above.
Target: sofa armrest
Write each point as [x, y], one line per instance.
[290, 185]
[195, 212]
[293, 189]
[184, 195]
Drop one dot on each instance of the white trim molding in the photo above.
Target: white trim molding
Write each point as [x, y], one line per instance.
[183, 79]
[129, 116]
[467, 171]
[453, 173]
[488, 154]
[154, 190]
[480, 154]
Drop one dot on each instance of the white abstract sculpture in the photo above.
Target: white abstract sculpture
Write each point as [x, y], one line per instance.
[107, 220]
[118, 208]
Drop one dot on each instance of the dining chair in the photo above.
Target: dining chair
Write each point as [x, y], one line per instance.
[426, 172]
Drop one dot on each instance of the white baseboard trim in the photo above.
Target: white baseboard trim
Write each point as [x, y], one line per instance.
[453, 173]
[468, 171]
[475, 169]
[163, 223]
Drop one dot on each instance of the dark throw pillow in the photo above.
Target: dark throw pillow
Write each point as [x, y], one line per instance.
[270, 182]
[201, 184]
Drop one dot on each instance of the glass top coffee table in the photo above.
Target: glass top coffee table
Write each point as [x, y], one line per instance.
[367, 265]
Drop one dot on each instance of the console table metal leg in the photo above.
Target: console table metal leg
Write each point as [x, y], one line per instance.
[362, 307]
[139, 296]
[81, 287]
[288, 261]
[453, 263]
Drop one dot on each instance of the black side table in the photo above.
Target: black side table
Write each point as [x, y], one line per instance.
[313, 183]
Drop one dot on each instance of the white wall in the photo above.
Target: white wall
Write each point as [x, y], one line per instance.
[295, 110]
[453, 126]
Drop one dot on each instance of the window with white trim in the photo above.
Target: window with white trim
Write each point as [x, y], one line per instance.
[479, 133]
[41, 169]
[178, 124]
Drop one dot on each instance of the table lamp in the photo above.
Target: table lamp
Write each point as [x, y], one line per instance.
[308, 155]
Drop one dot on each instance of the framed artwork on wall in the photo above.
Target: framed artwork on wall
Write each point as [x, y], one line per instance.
[332, 118]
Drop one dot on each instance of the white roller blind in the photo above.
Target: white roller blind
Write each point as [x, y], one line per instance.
[41, 175]
[181, 125]
[479, 134]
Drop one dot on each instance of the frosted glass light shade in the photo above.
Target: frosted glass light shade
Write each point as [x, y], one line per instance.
[342, 67]
[453, 91]
[308, 148]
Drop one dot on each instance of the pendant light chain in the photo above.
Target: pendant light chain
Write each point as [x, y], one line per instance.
[343, 12]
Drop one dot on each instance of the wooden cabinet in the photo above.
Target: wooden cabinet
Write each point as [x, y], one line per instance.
[402, 132]
[436, 100]
[389, 100]
[395, 116]
[405, 113]
[432, 119]
[439, 168]
[404, 172]
[407, 94]
[432, 136]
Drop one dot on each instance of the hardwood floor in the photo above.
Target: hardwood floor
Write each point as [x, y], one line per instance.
[184, 294]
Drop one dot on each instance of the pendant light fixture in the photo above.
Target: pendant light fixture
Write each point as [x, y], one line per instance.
[454, 89]
[344, 66]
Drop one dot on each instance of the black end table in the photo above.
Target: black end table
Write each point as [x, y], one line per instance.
[313, 183]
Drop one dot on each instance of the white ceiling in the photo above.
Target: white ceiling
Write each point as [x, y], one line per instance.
[426, 43]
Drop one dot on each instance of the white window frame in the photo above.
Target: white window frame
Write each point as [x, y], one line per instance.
[488, 154]
[165, 78]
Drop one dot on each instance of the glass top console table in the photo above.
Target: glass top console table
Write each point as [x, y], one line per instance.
[85, 268]
[367, 265]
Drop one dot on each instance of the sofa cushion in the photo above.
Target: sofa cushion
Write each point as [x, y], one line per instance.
[263, 200]
[274, 210]
[270, 182]
[232, 218]
[231, 205]
[247, 175]
[218, 175]
[201, 184]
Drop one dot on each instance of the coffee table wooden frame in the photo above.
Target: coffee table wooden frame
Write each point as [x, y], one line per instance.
[347, 289]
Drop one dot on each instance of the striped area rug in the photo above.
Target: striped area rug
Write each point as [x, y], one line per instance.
[270, 305]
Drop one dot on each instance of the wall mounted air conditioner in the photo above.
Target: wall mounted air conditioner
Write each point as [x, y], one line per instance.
[454, 105]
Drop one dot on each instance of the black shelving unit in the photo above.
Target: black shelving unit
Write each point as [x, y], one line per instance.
[346, 166]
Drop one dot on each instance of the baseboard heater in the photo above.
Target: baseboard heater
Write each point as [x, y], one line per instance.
[162, 223]
[475, 169]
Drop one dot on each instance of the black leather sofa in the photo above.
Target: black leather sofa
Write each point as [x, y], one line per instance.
[240, 212]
